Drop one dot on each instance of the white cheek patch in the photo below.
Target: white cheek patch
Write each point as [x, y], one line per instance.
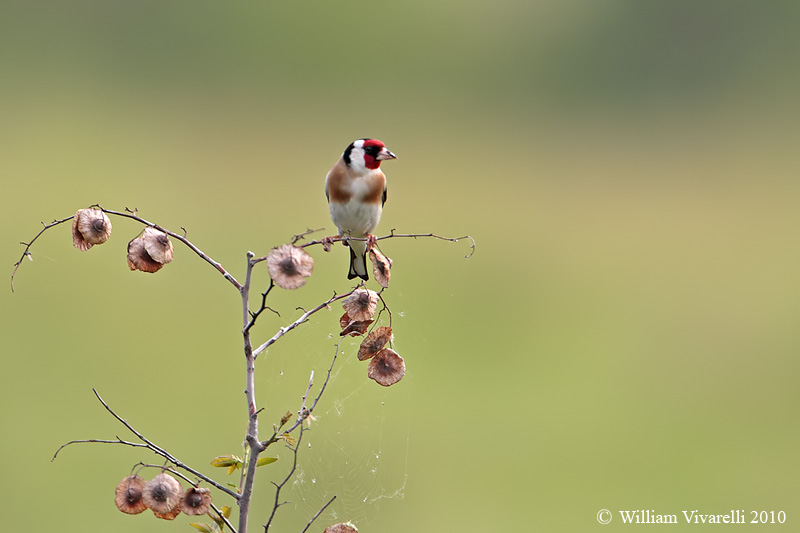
[357, 159]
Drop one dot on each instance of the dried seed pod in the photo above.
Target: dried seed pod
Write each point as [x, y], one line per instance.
[129, 495]
[196, 501]
[150, 251]
[171, 515]
[353, 327]
[89, 227]
[374, 343]
[344, 527]
[162, 495]
[387, 367]
[361, 305]
[289, 266]
[157, 245]
[139, 259]
[381, 267]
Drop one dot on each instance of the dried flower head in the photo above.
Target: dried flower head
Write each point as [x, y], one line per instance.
[129, 495]
[289, 266]
[387, 368]
[196, 501]
[89, 227]
[353, 327]
[149, 251]
[344, 527]
[381, 267]
[374, 343]
[361, 305]
[162, 495]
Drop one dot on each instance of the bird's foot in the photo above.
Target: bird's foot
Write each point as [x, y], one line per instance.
[371, 240]
[327, 242]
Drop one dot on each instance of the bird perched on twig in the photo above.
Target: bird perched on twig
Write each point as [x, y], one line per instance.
[356, 191]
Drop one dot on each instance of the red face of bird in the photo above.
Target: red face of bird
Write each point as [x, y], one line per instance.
[366, 154]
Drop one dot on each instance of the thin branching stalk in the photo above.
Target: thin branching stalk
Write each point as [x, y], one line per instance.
[254, 446]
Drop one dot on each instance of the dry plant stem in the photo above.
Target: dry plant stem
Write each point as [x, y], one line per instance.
[252, 413]
[306, 412]
[133, 216]
[27, 251]
[249, 318]
[183, 239]
[394, 235]
[318, 513]
[279, 486]
[150, 446]
[303, 318]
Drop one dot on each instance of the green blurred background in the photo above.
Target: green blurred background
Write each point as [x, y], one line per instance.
[625, 336]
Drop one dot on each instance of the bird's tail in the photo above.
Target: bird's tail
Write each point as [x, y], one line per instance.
[358, 260]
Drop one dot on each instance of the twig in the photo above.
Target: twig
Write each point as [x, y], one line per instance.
[384, 308]
[133, 216]
[304, 317]
[279, 486]
[255, 314]
[301, 236]
[393, 235]
[318, 513]
[152, 447]
[27, 252]
[101, 441]
[304, 413]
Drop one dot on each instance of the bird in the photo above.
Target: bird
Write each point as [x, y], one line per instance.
[356, 191]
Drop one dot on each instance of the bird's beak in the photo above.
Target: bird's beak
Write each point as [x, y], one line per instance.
[385, 154]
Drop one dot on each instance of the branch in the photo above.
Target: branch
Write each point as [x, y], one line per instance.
[304, 317]
[394, 235]
[279, 486]
[101, 441]
[318, 513]
[152, 447]
[304, 412]
[133, 216]
[27, 252]
[255, 314]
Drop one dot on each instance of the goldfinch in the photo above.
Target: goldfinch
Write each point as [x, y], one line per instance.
[356, 191]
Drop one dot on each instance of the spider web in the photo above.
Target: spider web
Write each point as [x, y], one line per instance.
[355, 448]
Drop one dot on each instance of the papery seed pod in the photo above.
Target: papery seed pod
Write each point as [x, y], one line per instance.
[344, 527]
[381, 267]
[387, 367]
[157, 245]
[361, 305]
[129, 495]
[162, 495]
[289, 266]
[171, 515]
[150, 251]
[89, 227]
[374, 343]
[139, 259]
[353, 327]
[196, 501]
